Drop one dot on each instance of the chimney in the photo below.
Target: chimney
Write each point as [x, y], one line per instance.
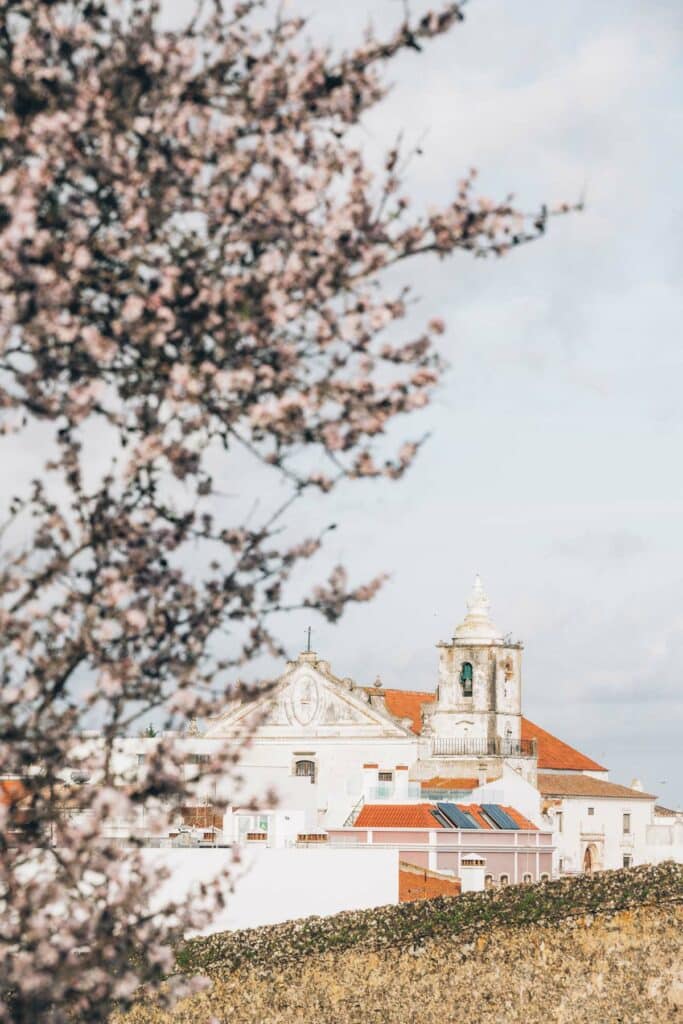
[369, 779]
[401, 782]
[472, 872]
[481, 773]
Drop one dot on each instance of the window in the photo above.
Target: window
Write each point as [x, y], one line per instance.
[488, 881]
[385, 776]
[197, 759]
[561, 865]
[305, 769]
[591, 812]
[627, 860]
[466, 675]
[545, 877]
[504, 879]
[527, 878]
[627, 823]
[560, 821]
[141, 759]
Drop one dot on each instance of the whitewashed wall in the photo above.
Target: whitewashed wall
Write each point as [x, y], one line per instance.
[278, 885]
[606, 825]
[513, 791]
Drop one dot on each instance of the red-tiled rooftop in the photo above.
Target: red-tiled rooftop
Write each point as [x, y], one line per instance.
[552, 752]
[444, 782]
[575, 784]
[408, 704]
[519, 818]
[397, 816]
[422, 816]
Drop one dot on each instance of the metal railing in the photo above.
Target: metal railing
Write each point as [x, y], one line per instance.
[355, 811]
[464, 746]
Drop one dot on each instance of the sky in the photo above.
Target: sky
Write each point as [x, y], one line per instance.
[553, 467]
[554, 464]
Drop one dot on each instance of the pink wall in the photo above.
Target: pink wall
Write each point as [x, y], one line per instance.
[390, 835]
[506, 852]
[420, 858]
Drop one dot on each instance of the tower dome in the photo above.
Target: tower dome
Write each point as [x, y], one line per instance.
[477, 626]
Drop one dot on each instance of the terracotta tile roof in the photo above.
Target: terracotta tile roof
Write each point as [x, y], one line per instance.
[666, 812]
[396, 816]
[519, 818]
[572, 784]
[421, 816]
[442, 782]
[474, 811]
[553, 753]
[419, 884]
[408, 704]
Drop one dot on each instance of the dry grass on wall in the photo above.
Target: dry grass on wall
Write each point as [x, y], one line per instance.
[619, 962]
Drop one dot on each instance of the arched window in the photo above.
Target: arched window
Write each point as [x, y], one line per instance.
[504, 879]
[545, 877]
[466, 676]
[527, 879]
[488, 882]
[305, 769]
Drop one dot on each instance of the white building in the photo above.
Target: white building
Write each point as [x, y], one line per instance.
[596, 824]
[328, 745]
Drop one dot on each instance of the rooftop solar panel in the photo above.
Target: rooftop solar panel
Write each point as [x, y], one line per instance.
[498, 816]
[460, 819]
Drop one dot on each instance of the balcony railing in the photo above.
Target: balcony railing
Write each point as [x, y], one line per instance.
[388, 791]
[465, 746]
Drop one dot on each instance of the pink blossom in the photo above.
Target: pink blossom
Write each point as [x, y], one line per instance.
[133, 307]
[136, 619]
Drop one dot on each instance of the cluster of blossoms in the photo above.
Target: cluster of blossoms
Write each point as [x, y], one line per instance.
[191, 258]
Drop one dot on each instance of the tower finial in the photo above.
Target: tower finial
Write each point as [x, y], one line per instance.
[477, 625]
[478, 601]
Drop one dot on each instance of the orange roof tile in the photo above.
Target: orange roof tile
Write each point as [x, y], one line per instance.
[474, 811]
[421, 816]
[408, 704]
[553, 753]
[396, 816]
[666, 812]
[519, 818]
[442, 782]
[551, 784]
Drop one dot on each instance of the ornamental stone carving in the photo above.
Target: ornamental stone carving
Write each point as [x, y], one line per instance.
[305, 700]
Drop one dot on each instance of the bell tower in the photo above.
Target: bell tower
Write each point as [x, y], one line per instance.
[479, 692]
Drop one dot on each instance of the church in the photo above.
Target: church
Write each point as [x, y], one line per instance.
[341, 755]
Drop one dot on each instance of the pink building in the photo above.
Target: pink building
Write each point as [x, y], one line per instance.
[438, 836]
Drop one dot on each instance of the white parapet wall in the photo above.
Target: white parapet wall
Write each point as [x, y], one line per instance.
[274, 885]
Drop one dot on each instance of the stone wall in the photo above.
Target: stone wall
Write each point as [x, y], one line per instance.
[602, 950]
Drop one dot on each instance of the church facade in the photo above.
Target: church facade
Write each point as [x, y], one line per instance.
[332, 749]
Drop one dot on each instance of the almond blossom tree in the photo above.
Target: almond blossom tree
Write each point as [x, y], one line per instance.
[192, 272]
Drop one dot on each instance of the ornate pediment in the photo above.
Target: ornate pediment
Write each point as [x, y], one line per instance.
[309, 701]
